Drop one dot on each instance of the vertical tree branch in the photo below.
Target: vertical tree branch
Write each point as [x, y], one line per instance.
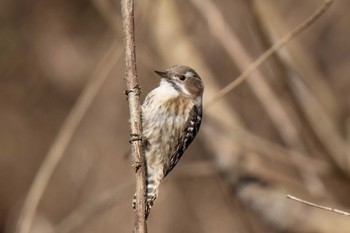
[133, 92]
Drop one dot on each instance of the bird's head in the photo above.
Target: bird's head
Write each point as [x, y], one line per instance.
[183, 79]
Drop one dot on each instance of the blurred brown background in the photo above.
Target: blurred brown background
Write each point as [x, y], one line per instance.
[286, 130]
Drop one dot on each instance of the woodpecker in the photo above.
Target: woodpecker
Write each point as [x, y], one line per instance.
[171, 117]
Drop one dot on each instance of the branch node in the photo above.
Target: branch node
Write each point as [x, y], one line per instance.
[136, 89]
[135, 137]
[136, 166]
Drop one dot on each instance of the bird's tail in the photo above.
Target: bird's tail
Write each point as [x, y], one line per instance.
[152, 194]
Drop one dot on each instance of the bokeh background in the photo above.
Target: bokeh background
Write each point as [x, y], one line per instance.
[286, 130]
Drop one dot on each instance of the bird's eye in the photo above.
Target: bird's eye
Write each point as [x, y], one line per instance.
[182, 77]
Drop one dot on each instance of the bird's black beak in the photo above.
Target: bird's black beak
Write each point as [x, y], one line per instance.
[162, 74]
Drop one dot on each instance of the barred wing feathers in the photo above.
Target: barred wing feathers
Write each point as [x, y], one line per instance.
[190, 132]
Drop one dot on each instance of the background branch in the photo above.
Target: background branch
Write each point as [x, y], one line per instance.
[278, 45]
[92, 208]
[59, 146]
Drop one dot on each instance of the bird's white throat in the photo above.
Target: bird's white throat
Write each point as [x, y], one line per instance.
[165, 91]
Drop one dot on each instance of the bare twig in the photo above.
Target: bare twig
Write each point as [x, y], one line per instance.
[278, 45]
[63, 138]
[311, 91]
[133, 93]
[319, 206]
[275, 108]
[295, 56]
[322, 124]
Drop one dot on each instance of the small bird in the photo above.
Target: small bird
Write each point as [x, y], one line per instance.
[171, 117]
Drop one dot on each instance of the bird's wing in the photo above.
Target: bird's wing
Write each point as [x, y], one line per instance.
[190, 131]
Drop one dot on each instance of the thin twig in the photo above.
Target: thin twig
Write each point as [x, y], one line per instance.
[278, 45]
[63, 138]
[133, 92]
[319, 206]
